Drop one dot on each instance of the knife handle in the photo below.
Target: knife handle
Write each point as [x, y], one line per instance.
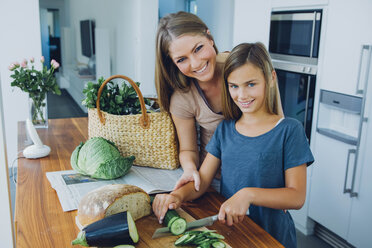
[215, 217]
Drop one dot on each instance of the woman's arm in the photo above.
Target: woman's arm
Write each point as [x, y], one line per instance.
[292, 196]
[187, 192]
[189, 154]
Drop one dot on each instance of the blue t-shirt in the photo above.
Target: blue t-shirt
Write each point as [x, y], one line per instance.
[261, 162]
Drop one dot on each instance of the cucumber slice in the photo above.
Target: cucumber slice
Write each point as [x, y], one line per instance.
[218, 244]
[181, 240]
[178, 226]
[172, 220]
[189, 240]
[216, 235]
[133, 233]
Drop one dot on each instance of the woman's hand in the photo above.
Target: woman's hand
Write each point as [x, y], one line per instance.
[189, 176]
[234, 209]
[163, 202]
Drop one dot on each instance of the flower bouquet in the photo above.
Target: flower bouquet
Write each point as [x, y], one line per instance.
[37, 83]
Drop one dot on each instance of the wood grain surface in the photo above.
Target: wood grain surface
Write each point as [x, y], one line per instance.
[41, 222]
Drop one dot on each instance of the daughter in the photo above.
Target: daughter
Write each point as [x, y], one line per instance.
[263, 157]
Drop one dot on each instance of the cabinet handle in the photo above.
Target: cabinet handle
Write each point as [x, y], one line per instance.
[364, 47]
[347, 170]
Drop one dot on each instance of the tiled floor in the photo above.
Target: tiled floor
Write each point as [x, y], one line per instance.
[64, 106]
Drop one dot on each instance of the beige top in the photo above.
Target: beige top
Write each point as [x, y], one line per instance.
[193, 104]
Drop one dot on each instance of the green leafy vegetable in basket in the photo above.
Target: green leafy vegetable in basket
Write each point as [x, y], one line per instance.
[100, 158]
[116, 99]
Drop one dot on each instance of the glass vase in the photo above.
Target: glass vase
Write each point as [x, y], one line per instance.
[38, 109]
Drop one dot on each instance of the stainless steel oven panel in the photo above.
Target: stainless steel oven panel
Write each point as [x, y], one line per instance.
[295, 67]
[296, 17]
[294, 59]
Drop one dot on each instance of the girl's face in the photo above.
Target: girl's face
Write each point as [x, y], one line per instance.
[247, 88]
[194, 56]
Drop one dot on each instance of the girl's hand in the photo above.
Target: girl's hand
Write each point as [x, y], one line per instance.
[162, 203]
[189, 176]
[234, 209]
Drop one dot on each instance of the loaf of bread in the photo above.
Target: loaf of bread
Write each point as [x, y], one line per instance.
[112, 199]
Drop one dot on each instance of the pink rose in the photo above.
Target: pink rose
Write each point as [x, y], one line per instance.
[24, 64]
[32, 59]
[54, 64]
[42, 59]
[11, 67]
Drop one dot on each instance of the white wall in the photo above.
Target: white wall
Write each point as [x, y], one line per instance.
[132, 27]
[218, 15]
[20, 38]
[252, 21]
[6, 233]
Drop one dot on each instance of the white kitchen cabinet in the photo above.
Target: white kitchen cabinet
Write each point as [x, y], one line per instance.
[328, 204]
[341, 189]
[348, 26]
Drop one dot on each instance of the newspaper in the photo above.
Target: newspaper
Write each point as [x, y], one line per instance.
[71, 186]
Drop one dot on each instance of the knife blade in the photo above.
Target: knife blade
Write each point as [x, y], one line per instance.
[207, 221]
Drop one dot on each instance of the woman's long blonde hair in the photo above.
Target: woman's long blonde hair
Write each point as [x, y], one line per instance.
[167, 75]
[257, 55]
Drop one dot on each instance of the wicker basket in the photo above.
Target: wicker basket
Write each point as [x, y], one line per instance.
[150, 137]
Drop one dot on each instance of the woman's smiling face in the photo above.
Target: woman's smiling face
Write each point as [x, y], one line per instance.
[194, 55]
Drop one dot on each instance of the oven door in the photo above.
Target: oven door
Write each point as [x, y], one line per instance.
[295, 33]
[297, 96]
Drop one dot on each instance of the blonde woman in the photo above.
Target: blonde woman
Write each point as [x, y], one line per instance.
[189, 82]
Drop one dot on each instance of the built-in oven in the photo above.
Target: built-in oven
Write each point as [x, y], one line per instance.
[294, 48]
[297, 89]
[295, 34]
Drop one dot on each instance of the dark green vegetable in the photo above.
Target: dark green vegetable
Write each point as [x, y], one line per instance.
[116, 99]
[100, 158]
[113, 230]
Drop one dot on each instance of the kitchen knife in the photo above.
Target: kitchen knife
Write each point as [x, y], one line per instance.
[208, 221]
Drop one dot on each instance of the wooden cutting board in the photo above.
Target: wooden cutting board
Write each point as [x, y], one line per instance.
[147, 226]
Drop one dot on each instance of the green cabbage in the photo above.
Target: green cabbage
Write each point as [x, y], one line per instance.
[100, 158]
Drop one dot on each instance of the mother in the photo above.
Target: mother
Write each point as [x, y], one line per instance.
[188, 77]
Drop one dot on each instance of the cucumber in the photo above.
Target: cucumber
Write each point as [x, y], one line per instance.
[170, 216]
[178, 226]
[173, 220]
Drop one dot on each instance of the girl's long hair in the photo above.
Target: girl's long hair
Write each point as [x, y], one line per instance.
[167, 75]
[257, 55]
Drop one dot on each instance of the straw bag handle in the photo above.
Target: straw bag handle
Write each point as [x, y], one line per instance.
[144, 120]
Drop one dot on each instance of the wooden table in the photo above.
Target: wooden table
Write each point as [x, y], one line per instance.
[40, 220]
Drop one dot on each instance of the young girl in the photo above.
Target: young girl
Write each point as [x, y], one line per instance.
[263, 157]
[189, 83]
